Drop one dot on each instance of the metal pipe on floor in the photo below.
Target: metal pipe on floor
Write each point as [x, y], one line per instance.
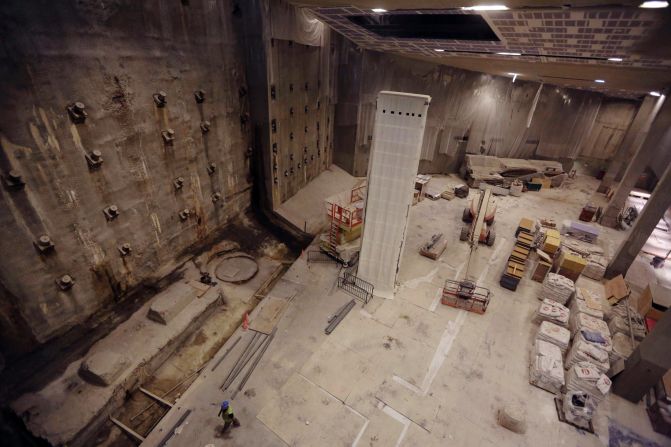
[244, 354]
[244, 364]
[339, 317]
[226, 353]
[256, 362]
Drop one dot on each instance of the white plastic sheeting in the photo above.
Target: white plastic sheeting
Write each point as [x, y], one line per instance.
[400, 119]
[288, 22]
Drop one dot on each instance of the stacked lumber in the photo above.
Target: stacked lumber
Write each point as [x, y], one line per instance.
[545, 369]
[517, 260]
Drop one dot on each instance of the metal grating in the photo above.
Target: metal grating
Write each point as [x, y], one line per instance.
[355, 286]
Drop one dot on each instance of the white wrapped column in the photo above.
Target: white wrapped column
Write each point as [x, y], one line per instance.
[397, 142]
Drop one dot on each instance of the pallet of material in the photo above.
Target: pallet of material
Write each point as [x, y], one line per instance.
[434, 247]
[526, 225]
[525, 240]
[570, 265]
[509, 282]
[542, 269]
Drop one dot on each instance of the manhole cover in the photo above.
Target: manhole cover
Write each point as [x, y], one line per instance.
[236, 268]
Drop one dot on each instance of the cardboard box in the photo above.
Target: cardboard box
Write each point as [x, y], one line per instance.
[647, 298]
[551, 245]
[571, 262]
[553, 233]
[616, 290]
[542, 269]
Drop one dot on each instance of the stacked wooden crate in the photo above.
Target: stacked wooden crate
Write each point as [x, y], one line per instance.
[518, 258]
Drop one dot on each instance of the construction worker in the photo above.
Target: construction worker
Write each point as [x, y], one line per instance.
[226, 413]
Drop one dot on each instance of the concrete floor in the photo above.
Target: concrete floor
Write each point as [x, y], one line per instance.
[407, 371]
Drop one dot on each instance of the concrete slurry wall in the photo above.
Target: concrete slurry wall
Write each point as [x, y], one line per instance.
[473, 113]
[112, 57]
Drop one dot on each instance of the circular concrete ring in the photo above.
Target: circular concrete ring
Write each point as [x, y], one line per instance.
[236, 268]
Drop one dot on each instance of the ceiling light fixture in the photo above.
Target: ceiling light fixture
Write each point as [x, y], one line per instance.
[440, 50]
[654, 4]
[378, 10]
[615, 59]
[505, 53]
[599, 81]
[485, 8]
[655, 94]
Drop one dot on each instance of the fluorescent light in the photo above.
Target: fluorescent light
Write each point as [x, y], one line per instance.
[654, 4]
[615, 59]
[440, 50]
[514, 75]
[505, 53]
[599, 81]
[655, 94]
[378, 10]
[485, 8]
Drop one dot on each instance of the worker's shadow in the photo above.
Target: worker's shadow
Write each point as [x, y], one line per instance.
[219, 432]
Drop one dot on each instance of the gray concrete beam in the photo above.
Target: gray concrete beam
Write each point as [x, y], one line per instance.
[632, 141]
[655, 143]
[654, 210]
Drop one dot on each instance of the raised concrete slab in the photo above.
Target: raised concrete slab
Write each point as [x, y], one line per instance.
[69, 410]
[103, 367]
[169, 304]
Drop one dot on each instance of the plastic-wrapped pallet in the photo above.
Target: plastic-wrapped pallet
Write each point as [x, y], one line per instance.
[582, 351]
[595, 338]
[578, 408]
[553, 312]
[546, 369]
[622, 347]
[587, 302]
[557, 288]
[579, 321]
[585, 377]
[621, 325]
[619, 321]
[554, 334]
[596, 267]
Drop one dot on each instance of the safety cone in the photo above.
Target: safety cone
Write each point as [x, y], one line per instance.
[245, 321]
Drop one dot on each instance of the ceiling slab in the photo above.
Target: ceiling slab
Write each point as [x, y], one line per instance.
[559, 45]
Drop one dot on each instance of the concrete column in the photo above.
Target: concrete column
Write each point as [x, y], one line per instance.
[654, 209]
[647, 364]
[632, 140]
[655, 143]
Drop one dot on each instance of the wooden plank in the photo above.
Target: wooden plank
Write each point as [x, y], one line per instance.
[158, 399]
[127, 429]
[269, 314]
